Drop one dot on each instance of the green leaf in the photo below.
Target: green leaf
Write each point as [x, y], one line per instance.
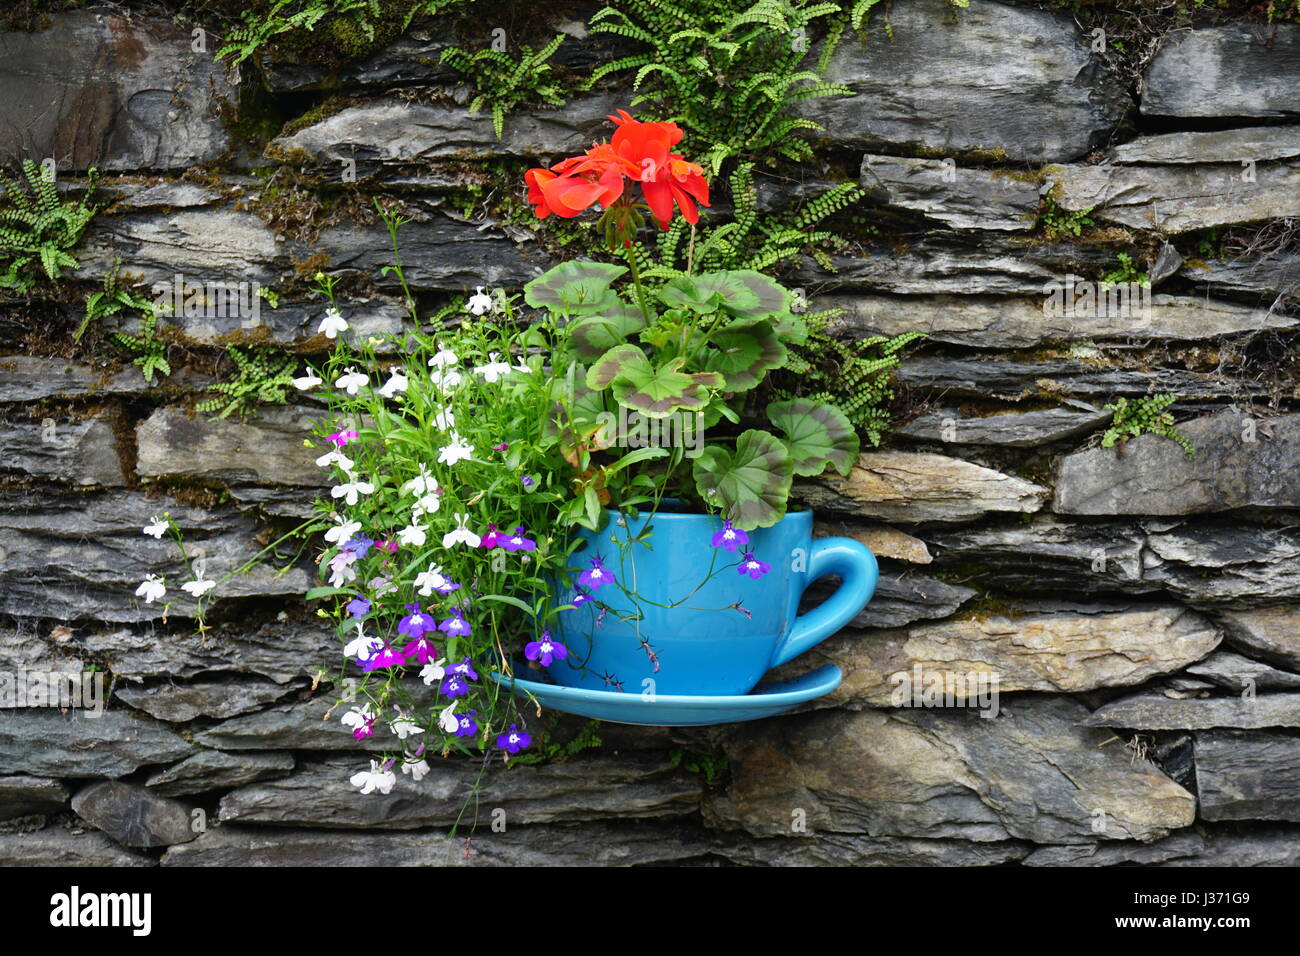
[752, 485]
[744, 355]
[817, 435]
[506, 599]
[592, 337]
[655, 391]
[314, 593]
[620, 360]
[574, 287]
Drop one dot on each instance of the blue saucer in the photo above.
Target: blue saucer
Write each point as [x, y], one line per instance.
[765, 700]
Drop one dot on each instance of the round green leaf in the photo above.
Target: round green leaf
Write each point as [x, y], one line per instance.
[573, 286]
[817, 435]
[752, 485]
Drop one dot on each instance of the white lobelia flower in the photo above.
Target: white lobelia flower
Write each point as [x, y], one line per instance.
[341, 569]
[156, 527]
[456, 451]
[523, 367]
[412, 536]
[444, 358]
[351, 381]
[363, 646]
[479, 303]
[427, 581]
[198, 588]
[350, 490]
[461, 534]
[307, 381]
[357, 717]
[335, 457]
[396, 383]
[404, 727]
[374, 779]
[418, 769]
[494, 369]
[332, 324]
[422, 484]
[342, 532]
[151, 589]
[447, 721]
[444, 420]
[434, 671]
[427, 505]
[445, 379]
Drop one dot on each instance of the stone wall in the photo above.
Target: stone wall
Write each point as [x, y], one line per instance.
[1138, 606]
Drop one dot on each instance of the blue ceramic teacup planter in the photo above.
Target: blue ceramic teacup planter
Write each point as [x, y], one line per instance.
[700, 620]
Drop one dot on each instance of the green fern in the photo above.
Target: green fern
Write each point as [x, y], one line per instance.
[1141, 416]
[750, 240]
[150, 350]
[262, 377]
[111, 300]
[38, 229]
[727, 70]
[858, 377]
[503, 82]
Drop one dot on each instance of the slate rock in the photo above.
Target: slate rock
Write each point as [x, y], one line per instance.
[584, 844]
[178, 703]
[94, 88]
[1061, 652]
[133, 815]
[916, 486]
[64, 848]
[1247, 775]
[1269, 633]
[1006, 80]
[1238, 673]
[1173, 200]
[1010, 429]
[1020, 323]
[1239, 462]
[884, 541]
[82, 452]
[1029, 774]
[1234, 146]
[957, 197]
[268, 449]
[1238, 69]
[1152, 711]
[210, 770]
[846, 849]
[21, 795]
[319, 794]
[1120, 853]
[47, 743]
[30, 378]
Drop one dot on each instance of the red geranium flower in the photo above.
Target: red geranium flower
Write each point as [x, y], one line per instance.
[638, 151]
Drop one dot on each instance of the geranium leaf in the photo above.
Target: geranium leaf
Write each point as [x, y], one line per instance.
[750, 486]
[592, 337]
[620, 361]
[573, 286]
[744, 355]
[817, 435]
[761, 296]
[657, 392]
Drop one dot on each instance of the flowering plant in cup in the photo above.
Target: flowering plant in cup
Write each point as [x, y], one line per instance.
[463, 460]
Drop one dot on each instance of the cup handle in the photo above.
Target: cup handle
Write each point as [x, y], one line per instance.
[858, 571]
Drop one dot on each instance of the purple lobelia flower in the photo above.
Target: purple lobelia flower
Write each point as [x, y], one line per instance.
[517, 542]
[528, 481]
[359, 544]
[514, 740]
[416, 622]
[421, 650]
[545, 650]
[581, 598]
[753, 567]
[454, 685]
[466, 725]
[730, 538]
[456, 625]
[596, 576]
[387, 658]
[464, 669]
[358, 607]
